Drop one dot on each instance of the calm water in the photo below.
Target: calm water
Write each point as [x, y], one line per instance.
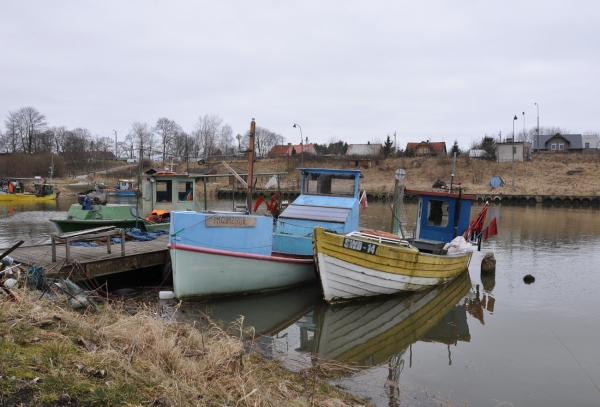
[487, 342]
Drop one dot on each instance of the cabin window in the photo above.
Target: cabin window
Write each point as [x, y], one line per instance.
[185, 191]
[164, 191]
[329, 184]
[437, 213]
[553, 146]
[587, 145]
[561, 146]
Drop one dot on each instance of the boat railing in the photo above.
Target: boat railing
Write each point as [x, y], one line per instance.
[380, 239]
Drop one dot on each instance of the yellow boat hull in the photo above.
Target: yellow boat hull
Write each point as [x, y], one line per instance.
[351, 267]
[26, 197]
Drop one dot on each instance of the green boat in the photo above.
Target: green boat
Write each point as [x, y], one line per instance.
[162, 192]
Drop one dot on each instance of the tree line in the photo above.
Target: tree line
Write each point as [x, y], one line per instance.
[26, 130]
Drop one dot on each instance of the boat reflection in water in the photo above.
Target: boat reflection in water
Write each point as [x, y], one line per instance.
[369, 333]
[267, 313]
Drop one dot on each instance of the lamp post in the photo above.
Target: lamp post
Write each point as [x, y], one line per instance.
[301, 147]
[538, 128]
[513, 154]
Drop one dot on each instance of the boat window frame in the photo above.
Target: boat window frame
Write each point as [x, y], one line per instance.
[167, 193]
[320, 184]
[188, 192]
[442, 211]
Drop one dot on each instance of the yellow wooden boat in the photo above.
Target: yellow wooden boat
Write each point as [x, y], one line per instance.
[26, 197]
[359, 264]
[41, 191]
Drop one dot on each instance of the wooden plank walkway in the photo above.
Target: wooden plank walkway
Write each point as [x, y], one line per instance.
[95, 261]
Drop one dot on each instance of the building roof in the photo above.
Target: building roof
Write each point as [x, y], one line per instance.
[575, 142]
[436, 147]
[286, 150]
[364, 149]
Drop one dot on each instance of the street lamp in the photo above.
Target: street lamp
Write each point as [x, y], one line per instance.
[513, 151]
[301, 148]
[538, 128]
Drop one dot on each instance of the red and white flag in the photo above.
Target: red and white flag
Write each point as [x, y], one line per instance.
[363, 199]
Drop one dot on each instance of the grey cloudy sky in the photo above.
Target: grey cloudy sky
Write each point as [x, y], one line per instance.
[351, 70]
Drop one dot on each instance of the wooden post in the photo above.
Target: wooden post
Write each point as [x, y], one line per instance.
[122, 242]
[250, 167]
[53, 248]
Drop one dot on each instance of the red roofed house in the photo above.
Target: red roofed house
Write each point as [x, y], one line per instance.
[427, 148]
[284, 151]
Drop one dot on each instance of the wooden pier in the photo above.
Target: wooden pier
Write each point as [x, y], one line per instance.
[94, 262]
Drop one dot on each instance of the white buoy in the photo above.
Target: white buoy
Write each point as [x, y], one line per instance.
[166, 295]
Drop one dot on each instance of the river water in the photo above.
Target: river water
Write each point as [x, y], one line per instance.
[486, 341]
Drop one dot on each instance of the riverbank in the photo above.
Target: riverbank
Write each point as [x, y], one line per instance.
[126, 353]
[573, 175]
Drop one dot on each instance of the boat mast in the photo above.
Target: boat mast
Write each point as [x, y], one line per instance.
[250, 167]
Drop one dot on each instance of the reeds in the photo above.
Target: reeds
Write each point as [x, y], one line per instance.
[113, 358]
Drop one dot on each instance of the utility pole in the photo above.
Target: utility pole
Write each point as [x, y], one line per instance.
[395, 144]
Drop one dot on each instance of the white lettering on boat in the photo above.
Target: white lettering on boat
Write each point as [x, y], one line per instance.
[231, 221]
[359, 246]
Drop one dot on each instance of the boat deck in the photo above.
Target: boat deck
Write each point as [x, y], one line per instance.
[95, 261]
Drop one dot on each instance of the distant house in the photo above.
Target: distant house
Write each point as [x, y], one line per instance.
[520, 150]
[563, 144]
[428, 148]
[364, 150]
[287, 150]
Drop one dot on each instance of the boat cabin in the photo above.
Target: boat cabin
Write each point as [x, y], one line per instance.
[125, 185]
[328, 198]
[441, 216]
[168, 192]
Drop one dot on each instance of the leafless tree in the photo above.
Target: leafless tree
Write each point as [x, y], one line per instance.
[264, 141]
[141, 137]
[166, 130]
[24, 125]
[206, 133]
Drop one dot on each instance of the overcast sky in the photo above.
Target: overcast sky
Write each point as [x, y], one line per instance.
[351, 70]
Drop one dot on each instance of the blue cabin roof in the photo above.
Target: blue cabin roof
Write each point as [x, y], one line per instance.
[441, 216]
[328, 198]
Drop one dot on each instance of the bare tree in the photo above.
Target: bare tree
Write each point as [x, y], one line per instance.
[58, 136]
[141, 137]
[27, 123]
[166, 130]
[226, 141]
[206, 133]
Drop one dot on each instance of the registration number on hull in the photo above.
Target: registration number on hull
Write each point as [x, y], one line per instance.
[359, 246]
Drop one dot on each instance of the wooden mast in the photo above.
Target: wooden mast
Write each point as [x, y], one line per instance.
[250, 168]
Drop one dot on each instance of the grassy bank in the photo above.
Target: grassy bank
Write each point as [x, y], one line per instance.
[568, 175]
[52, 355]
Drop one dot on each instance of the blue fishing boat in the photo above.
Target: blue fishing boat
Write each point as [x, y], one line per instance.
[225, 253]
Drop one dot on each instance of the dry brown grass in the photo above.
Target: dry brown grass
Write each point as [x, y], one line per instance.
[111, 357]
[543, 175]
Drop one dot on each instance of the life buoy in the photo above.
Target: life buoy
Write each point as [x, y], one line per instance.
[165, 173]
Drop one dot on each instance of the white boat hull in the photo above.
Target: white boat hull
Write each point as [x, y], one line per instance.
[347, 274]
[209, 272]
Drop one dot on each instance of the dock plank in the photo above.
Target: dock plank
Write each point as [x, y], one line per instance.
[95, 259]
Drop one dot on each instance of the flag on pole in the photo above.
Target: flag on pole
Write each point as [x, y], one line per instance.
[491, 229]
[363, 199]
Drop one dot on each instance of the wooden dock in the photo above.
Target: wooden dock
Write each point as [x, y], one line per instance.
[94, 262]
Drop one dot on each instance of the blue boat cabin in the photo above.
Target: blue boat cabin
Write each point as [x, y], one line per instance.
[328, 198]
[441, 216]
